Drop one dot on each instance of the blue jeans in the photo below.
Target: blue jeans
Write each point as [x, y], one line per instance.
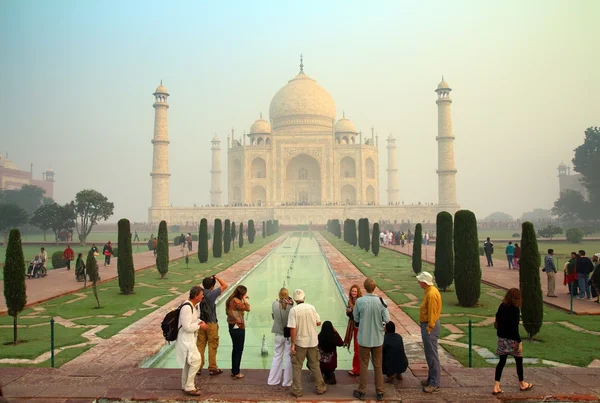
[510, 261]
[237, 340]
[430, 345]
[584, 288]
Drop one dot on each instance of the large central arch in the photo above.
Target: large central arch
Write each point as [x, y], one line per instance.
[302, 180]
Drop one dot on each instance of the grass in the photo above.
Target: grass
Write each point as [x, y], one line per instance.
[393, 273]
[113, 304]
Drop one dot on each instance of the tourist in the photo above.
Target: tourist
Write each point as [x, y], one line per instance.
[352, 330]
[208, 313]
[595, 280]
[107, 252]
[189, 240]
[236, 305]
[571, 274]
[510, 253]
[182, 241]
[186, 351]
[402, 239]
[329, 341]
[154, 245]
[429, 317]
[44, 257]
[488, 248]
[136, 237]
[303, 322]
[381, 238]
[394, 362]
[370, 312]
[409, 237]
[94, 249]
[280, 311]
[516, 256]
[550, 269]
[509, 339]
[585, 267]
[68, 255]
[80, 268]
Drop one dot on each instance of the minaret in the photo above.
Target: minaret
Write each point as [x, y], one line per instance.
[446, 169]
[215, 172]
[392, 171]
[160, 160]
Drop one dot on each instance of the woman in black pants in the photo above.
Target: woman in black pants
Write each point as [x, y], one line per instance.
[236, 305]
[509, 340]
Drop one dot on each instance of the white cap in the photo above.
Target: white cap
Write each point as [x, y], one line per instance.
[298, 295]
[425, 277]
[597, 255]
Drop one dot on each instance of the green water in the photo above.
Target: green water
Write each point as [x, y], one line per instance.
[310, 272]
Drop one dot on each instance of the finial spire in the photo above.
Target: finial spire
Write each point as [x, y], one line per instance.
[161, 82]
[261, 115]
[442, 77]
[301, 64]
[344, 114]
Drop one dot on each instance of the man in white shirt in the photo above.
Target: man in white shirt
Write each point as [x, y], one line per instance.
[186, 350]
[303, 322]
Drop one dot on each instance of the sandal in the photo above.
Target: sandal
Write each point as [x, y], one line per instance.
[498, 392]
[194, 392]
[526, 388]
[238, 376]
[215, 372]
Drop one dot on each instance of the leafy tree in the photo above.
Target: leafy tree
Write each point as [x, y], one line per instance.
[91, 206]
[532, 309]
[11, 216]
[241, 240]
[570, 206]
[29, 197]
[417, 252]
[125, 268]
[264, 230]
[574, 235]
[227, 236]
[162, 250]
[467, 268]
[251, 231]
[587, 163]
[55, 217]
[538, 214]
[203, 241]
[444, 254]
[217, 245]
[15, 293]
[549, 231]
[91, 266]
[374, 239]
[497, 217]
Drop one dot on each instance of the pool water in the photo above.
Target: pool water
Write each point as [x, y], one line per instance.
[309, 271]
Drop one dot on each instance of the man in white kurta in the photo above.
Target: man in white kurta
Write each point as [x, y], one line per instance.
[186, 350]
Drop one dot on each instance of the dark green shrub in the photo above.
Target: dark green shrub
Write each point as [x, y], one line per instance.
[417, 263]
[375, 239]
[149, 244]
[195, 238]
[574, 235]
[217, 245]
[91, 267]
[177, 240]
[481, 251]
[233, 234]
[467, 268]
[251, 231]
[264, 230]
[203, 241]
[352, 233]
[444, 254]
[125, 268]
[241, 235]
[57, 260]
[532, 309]
[162, 250]
[15, 293]
[226, 236]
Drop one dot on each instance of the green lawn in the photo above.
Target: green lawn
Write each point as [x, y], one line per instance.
[393, 273]
[120, 310]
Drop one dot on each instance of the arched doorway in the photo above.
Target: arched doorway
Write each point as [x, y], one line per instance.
[370, 168]
[303, 180]
[258, 196]
[237, 169]
[237, 195]
[348, 194]
[347, 168]
[258, 168]
[370, 194]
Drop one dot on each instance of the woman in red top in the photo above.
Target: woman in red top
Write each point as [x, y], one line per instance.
[351, 330]
[516, 256]
[68, 255]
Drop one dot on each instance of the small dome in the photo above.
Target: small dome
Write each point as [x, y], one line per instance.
[443, 85]
[345, 125]
[261, 126]
[562, 165]
[49, 170]
[161, 90]
[216, 138]
[390, 137]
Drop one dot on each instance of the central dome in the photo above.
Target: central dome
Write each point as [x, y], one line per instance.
[302, 102]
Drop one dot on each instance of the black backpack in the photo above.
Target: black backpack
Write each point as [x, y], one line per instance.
[169, 323]
[204, 310]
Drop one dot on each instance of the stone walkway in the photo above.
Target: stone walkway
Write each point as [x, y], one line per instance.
[60, 282]
[500, 276]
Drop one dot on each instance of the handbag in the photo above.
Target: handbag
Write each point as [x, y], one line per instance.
[287, 332]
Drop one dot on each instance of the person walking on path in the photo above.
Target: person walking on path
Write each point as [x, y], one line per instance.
[208, 313]
[280, 311]
[394, 362]
[136, 236]
[517, 256]
[510, 254]
[429, 317]
[329, 341]
[189, 240]
[154, 245]
[550, 269]
[488, 248]
[352, 330]
[584, 268]
[596, 276]
[303, 321]
[236, 305]
[370, 312]
[44, 257]
[107, 251]
[68, 255]
[186, 351]
[509, 339]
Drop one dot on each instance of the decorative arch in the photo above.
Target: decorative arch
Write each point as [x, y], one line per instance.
[345, 140]
[370, 168]
[347, 168]
[237, 195]
[348, 194]
[268, 141]
[302, 180]
[370, 194]
[237, 169]
[258, 168]
[259, 141]
[258, 196]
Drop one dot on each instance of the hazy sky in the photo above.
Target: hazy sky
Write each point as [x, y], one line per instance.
[77, 79]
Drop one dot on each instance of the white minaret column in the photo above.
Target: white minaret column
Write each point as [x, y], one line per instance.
[392, 171]
[446, 168]
[215, 172]
[160, 160]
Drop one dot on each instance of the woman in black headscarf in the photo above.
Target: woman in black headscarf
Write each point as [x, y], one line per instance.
[329, 341]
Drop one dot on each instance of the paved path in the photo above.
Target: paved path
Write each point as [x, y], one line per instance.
[62, 281]
[499, 275]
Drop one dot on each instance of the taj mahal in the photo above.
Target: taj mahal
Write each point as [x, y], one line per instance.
[303, 165]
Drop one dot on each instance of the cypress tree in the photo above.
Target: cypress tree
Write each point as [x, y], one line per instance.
[375, 239]
[467, 269]
[346, 231]
[417, 264]
[15, 291]
[241, 235]
[233, 234]
[353, 240]
[162, 250]
[338, 228]
[367, 240]
[217, 246]
[203, 241]
[251, 231]
[227, 236]
[532, 309]
[91, 267]
[264, 229]
[361, 233]
[125, 268]
[444, 255]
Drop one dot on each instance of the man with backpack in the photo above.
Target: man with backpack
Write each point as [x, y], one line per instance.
[208, 313]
